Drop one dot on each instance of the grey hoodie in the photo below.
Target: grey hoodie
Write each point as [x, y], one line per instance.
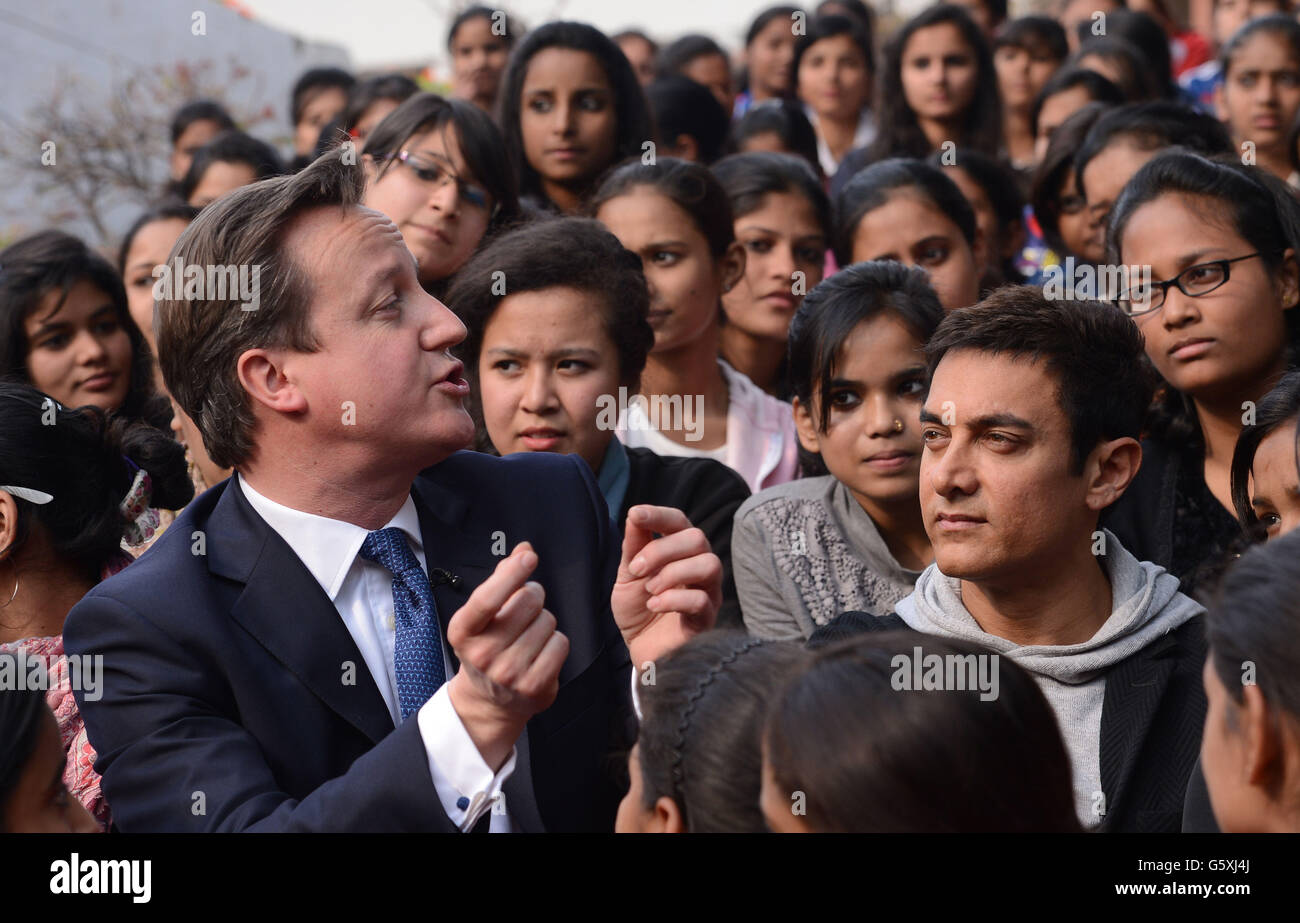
[1147, 605]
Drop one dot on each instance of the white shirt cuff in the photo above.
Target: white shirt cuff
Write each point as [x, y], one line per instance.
[467, 788]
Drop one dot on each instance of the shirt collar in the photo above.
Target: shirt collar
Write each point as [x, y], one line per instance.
[613, 477]
[327, 547]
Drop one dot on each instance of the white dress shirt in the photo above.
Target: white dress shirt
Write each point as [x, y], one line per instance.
[362, 592]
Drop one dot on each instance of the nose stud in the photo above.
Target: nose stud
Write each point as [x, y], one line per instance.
[898, 426]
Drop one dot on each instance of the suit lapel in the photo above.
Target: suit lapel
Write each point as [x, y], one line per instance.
[285, 609]
[455, 543]
[1134, 690]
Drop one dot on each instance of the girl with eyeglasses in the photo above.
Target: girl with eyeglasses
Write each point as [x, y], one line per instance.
[437, 167]
[1220, 327]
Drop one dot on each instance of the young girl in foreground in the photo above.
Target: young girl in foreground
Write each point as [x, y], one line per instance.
[854, 538]
[675, 216]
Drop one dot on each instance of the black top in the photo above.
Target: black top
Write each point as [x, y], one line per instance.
[1168, 516]
[708, 492]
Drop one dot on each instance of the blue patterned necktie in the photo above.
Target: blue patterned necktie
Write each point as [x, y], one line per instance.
[417, 649]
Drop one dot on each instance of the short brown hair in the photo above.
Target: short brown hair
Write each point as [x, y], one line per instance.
[200, 340]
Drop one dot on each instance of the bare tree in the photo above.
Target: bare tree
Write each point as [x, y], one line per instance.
[84, 150]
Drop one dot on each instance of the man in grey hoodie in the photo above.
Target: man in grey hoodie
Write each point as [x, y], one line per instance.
[1030, 430]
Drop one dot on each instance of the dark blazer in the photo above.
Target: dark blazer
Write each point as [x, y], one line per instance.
[1151, 721]
[224, 701]
[708, 492]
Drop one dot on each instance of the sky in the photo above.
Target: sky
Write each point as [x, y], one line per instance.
[403, 32]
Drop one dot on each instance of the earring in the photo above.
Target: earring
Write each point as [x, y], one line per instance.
[898, 426]
[14, 594]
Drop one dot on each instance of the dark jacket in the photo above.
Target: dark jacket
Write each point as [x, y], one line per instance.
[1151, 721]
[223, 707]
[708, 492]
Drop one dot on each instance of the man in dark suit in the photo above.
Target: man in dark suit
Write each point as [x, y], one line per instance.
[339, 637]
[1030, 430]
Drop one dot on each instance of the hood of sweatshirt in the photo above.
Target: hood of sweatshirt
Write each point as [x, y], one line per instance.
[1146, 604]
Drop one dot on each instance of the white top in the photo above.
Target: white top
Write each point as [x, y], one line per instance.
[863, 135]
[362, 592]
[762, 445]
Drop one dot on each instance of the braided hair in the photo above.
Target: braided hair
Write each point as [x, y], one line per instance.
[699, 738]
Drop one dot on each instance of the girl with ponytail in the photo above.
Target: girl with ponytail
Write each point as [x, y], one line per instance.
[77, 487]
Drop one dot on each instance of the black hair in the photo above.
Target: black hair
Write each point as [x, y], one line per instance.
[1152, 44]
[1254, 620]
[1279, 406]
[878, 183]
[854, 9]
[690, 186]
[749, 178]
[1098, 88]
[1137, 83]
[1048, 182]
[1002, 188]
[784, 118]
[49, 261]
[834, 309]
[396, 87]
[873, 756]
[1276, 24]
[512, 27]
[312, 82]
[821, 28]
[701, 730]
[1034, 34]
[231, 147]
[200, 110]
[1151, 126]
[634, 125]
[683, 107]
[168, 209]
[477, 136]
[575, 253]
[22, 713]
[1263, 212]
[1094, 351]
[761, 21]
[679, 54]
[81, 461]
[900, 133]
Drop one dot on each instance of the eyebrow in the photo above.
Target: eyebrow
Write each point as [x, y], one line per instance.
[388, 272]
[553, 354]
[758, 228]
[896, 376]
[988, 421]
[50, 326]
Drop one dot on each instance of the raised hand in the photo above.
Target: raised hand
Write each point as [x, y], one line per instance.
[510, 656]
[669, 588]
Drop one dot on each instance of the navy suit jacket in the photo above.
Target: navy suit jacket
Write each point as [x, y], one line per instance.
[225, 704]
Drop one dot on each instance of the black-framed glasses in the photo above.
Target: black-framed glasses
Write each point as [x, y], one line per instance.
[1194, 281]
[438, 175]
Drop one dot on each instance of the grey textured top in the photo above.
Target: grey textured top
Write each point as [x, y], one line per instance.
[804, 552]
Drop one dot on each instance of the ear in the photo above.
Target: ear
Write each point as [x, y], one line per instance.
[1289, 279]
[261, 375]
[667, 817]
[732, 266]
[1013, 239]
[687, 148]
[805, 427]
[1261, 726]
[980, 249]
[1110, 469]
[8, 523]
[371, 168]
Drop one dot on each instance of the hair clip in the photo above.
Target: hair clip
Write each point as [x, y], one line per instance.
[30, 494]
[142, 521]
